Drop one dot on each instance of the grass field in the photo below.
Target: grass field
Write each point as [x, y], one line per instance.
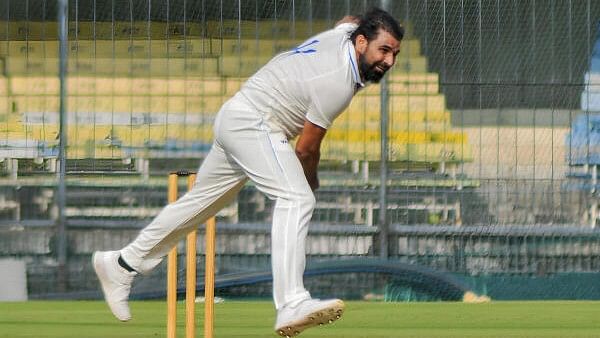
[255, 319]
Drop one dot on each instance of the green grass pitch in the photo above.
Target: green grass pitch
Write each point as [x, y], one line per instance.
[91, 319]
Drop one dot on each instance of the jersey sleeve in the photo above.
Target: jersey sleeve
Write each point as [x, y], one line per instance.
[327, 101]
[347, 27]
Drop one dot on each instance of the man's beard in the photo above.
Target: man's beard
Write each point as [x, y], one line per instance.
[370, 73]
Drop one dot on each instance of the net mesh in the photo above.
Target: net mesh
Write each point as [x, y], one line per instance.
[492, 122]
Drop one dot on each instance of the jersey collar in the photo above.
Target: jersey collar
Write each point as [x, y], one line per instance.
[354, 66]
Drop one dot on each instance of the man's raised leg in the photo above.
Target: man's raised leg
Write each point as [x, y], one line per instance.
[218, 181]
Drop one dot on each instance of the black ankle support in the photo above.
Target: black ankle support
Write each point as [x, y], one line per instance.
[124, 265]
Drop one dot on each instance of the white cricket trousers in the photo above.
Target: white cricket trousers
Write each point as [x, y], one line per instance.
[245, 147]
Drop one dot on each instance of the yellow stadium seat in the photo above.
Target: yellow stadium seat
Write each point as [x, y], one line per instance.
[77, 85]
[366, 151]
[399, 88]
[420, 126]
[24, 103]
[399, 104]
[122, 104]
[404, 117]
[30, 30]
[431, 106]
[433, 116]
[25, 66]
[86, 85]
[153, 67]
[353, 135]
[137, 88]
[3, 86]
[16, 135]
[409, 48]
[413, 77]
[449, 137]
[140, 30]
[90, 85]
[399, 137]
[11, 125]
[6, 106]
[185, 133]
[413, 64]
[233, 85]
[237, 66]
[114, 49]
[410, 137]
[253, 47]
[81, 135]
[96, 151]
[205, 86]
[47, 132]
[176, 47]
[32, 49]
[110, 141]
[399, 151]
[232, 29]
[415, 147]
[235, 28]
[432, 152]
[34, 85]
[342, 150]
[144, 48]
[167, 86]
[361, 123]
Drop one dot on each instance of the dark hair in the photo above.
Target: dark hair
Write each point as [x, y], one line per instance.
[376, 19]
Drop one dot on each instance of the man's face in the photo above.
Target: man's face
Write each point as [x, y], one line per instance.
[376, 56]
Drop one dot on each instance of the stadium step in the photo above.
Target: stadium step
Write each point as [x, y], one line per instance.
[140, 30]
[131, 67]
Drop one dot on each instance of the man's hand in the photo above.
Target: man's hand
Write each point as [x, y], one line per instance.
[348, 19]
[308, 150]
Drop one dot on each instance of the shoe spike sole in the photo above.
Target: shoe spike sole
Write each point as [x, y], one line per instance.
[317, 318]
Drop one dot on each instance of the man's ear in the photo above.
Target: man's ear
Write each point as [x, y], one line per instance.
[361, 43]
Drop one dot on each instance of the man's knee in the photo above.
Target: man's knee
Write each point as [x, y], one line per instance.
[304, 200]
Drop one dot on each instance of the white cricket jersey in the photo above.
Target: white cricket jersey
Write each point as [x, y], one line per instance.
[314, 81]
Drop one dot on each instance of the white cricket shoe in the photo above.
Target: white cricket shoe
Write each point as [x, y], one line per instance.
[291, 320]
[115, 281]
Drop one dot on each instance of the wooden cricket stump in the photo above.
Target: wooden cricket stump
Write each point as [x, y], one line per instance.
[190, 290]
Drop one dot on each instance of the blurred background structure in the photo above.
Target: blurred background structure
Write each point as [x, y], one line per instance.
[489, 125]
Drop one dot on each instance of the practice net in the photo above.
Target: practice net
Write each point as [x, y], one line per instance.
[490, 172]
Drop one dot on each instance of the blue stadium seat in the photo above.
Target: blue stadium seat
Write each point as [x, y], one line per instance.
[583, 142]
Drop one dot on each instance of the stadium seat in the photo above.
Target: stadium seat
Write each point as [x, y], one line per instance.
[399, 104]
[198, 105]
[138, 67]
[252, 47]
[239, 66]
[404, 88]
[136, 30]
[88, 85]
[3, 87]
[404, 77]
[133, 86]
[114, 49]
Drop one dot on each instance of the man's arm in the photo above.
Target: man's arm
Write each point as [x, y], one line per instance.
[308, 150]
